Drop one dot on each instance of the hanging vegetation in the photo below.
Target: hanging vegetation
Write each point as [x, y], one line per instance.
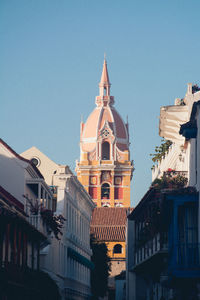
[53, 222]
[170, 181]
[160, 151]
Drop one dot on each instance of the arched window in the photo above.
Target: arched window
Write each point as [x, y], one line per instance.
[105, 191]
[117, 248]
[105, 151]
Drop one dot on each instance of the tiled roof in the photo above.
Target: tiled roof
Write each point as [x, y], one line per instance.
[109, 233]
[109, 216]
[109, 223]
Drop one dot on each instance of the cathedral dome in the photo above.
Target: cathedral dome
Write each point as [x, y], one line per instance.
[98, 119]
[104, 125]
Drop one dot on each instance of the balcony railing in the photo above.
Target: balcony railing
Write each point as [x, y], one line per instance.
[37, 222]
[185, 256]
[158, 244]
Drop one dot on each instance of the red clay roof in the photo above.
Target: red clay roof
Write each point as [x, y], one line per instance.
[108, 233]
[109, 223]
[109, 216]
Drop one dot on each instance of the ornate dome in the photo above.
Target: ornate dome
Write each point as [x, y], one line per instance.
[97, 122]
[104, 124]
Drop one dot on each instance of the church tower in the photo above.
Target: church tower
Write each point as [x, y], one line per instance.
[105, 169]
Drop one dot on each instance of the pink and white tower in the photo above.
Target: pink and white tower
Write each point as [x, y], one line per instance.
[105, 169]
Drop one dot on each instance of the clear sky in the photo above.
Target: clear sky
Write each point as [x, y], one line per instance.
[51, 57]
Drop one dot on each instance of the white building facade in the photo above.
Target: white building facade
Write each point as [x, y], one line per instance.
[23, 232]
[163, 231]
[67, 260]
[25, 182]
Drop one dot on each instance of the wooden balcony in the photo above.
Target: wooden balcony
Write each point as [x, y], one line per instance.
[151, 249]
[184, 260]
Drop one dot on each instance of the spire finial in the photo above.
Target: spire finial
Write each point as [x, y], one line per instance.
[104, 84]
[104, 97]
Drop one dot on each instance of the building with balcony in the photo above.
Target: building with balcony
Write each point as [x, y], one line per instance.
[67, 259]
[163, 230]
[165, 249]
[21, 238]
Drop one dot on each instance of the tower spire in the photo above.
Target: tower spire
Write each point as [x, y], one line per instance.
[104, 85]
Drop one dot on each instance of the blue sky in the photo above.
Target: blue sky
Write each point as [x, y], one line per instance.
[51, 56]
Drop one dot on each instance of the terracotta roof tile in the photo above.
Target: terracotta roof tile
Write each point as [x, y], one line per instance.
[109, 216]
[109, 223]
[109, 233]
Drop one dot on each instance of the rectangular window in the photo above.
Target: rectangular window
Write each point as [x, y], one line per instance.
[188, 255]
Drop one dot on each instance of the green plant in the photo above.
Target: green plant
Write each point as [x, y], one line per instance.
[102, 267]
[160, 151]
[53, 222]
[179, 181]
[169, 181]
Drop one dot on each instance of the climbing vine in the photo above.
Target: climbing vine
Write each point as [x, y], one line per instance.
[160, 151]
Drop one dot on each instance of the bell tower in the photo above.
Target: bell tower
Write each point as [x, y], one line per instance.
[105, 169]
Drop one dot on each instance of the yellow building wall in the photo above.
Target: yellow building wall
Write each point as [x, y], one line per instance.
[84, 178]
[111, 245]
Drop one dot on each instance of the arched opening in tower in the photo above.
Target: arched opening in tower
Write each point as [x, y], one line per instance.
[105, 151]
[105, 191]
[117, 248]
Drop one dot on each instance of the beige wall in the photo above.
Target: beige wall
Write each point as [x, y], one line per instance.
[47, 167]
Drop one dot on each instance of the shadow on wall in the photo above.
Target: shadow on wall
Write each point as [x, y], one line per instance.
[12, 175]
